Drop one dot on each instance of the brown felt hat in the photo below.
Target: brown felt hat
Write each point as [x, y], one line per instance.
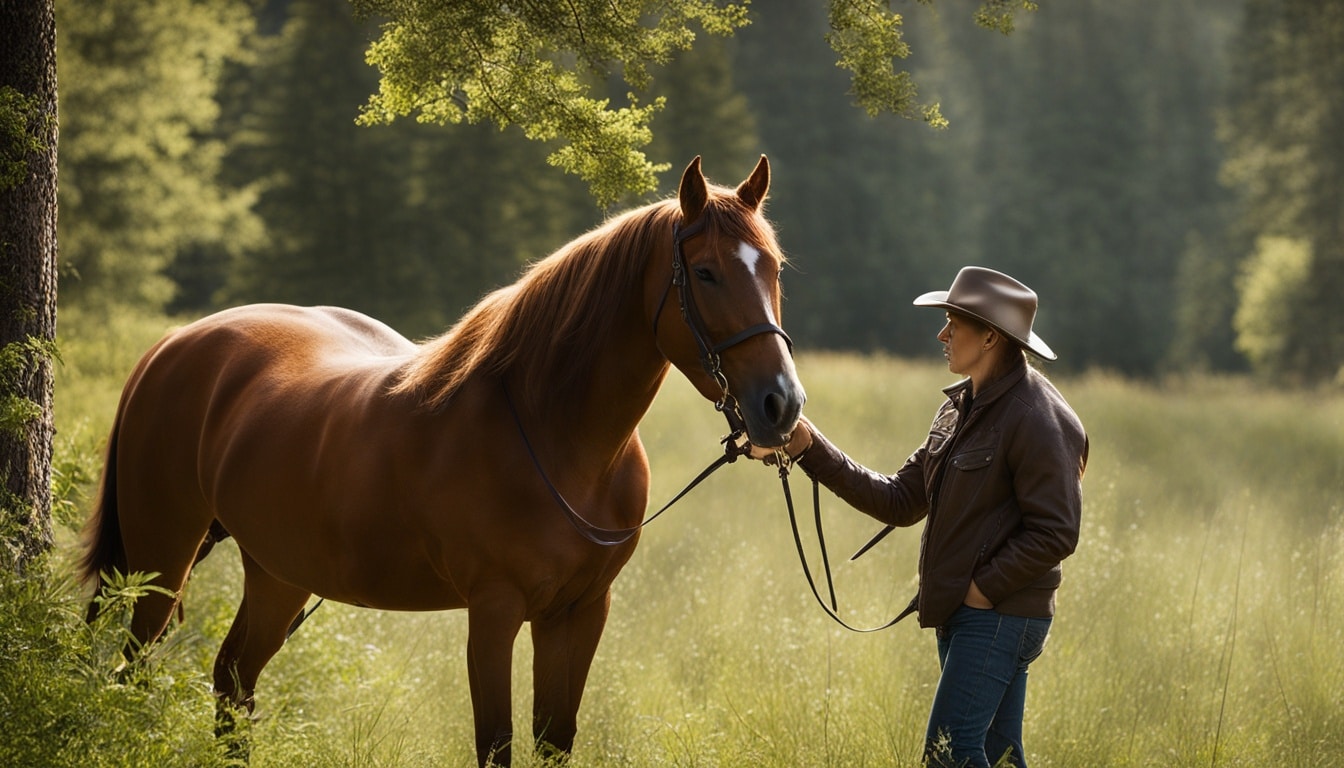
[996, 299]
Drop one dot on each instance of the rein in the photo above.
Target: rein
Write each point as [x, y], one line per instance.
[609, 537]
[831, 608]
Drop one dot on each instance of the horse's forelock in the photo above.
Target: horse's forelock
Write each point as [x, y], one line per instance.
[730, 218]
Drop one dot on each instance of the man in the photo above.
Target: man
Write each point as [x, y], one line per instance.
[998, 482]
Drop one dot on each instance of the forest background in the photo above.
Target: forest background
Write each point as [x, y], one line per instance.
[1167, 176]
[1170, 177]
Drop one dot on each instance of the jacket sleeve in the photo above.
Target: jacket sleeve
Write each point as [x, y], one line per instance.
[1047, 455]
[898, 499]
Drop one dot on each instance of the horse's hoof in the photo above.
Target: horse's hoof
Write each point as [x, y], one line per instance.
[232, 729]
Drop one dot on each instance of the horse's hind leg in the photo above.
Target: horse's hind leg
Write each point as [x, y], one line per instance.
[267, 609]
[168, 549]
[563, 649]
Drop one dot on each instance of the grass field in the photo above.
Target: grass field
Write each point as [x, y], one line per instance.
[1201, 622]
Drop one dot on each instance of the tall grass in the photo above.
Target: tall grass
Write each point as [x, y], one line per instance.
[1201, 622]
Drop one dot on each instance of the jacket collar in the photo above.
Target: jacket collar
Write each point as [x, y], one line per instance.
[960, 392]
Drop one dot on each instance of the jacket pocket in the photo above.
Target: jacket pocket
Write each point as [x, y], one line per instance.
[973, 460]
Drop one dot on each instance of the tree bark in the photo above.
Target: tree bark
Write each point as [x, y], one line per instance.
[27, 277]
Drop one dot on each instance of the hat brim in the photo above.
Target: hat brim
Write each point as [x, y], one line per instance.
[1033, 343]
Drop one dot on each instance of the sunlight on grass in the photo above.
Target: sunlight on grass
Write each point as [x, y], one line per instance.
[1201, 621]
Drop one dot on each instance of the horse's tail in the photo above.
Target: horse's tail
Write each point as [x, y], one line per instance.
[103, 548]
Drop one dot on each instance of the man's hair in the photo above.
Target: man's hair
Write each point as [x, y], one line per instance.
[980, 326]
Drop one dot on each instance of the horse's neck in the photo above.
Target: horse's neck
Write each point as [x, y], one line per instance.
[621, 387]
[610, 397]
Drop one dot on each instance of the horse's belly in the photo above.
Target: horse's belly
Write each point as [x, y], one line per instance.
[413, 569]
[393, 572]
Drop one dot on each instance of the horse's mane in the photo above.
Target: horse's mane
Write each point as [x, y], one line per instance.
[553, 321]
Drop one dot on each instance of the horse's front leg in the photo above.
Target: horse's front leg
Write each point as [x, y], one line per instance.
[563, 648]
[494, 617]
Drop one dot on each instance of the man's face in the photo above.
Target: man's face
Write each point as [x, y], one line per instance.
[964, 345]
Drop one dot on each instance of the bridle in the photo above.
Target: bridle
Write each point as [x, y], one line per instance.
[712, 362]
[710, 353]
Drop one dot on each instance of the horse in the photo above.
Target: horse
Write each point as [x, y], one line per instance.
[352, 464]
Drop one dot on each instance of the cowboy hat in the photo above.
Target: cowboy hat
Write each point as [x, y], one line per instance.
[995, 299]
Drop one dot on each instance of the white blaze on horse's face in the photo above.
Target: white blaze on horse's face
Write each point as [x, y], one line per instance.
[752, 258]
[749, 256]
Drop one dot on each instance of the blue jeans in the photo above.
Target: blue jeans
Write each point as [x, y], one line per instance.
[976, 717]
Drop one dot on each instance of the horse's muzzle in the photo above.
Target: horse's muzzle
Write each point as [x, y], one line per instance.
[771, 410]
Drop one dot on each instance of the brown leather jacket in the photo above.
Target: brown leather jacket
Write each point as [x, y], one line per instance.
[999, 479]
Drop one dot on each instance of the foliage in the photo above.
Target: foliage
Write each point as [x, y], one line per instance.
[18, 360]
[19, 523]
[506, 63]
[525, 65]
[66, 693]
[18, 139]
[999, 14]
[1273, 280]
[868, 38]
[139, 160]
[62, 703]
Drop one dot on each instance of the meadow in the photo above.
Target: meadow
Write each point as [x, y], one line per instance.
[1201, 621]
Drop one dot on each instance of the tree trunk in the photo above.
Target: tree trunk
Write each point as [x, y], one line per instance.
[27, 275]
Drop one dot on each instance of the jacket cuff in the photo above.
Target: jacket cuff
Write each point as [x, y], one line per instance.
[822, 459]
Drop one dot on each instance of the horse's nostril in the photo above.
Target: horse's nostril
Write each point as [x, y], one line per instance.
[775, 406]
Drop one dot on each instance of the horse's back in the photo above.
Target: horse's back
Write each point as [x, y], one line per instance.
[281, 332]
[204, 382]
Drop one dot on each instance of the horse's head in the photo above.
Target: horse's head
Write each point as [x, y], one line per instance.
[725, 275]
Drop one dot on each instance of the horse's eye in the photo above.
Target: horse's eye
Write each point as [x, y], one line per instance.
[704, 275]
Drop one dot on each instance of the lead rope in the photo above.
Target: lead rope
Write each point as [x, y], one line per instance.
[832, 609]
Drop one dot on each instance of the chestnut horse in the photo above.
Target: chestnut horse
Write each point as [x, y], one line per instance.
[352, 464]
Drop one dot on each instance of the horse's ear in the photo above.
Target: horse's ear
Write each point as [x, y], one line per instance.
[693, 193]
[752, 191]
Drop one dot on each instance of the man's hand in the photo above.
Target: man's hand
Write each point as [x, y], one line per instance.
[799, 442]
[976, 599]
